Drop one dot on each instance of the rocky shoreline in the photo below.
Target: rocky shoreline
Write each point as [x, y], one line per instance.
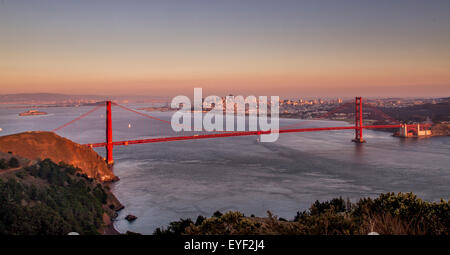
[108, 219]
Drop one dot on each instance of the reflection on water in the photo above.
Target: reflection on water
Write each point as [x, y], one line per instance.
[165, 181]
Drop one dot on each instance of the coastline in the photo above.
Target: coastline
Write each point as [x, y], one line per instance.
[108, 229]
[111, 213]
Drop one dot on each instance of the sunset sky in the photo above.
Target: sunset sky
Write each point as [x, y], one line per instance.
[285, 48]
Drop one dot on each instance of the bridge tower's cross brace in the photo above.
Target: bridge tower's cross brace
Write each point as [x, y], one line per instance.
[358, 121]
[109, 138]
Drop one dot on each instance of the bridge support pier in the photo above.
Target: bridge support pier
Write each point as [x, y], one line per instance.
[358, 121]
[109, 139]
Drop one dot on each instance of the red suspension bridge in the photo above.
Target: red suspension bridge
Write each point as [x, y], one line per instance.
[109, 143]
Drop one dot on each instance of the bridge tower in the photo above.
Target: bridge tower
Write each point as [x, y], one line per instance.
[109, 139]
[358, 121]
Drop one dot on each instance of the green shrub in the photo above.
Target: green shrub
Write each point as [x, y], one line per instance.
[390, 213]
[175, 227]
[13, 162]
[62, 206]
[3, 164]
[417, 215]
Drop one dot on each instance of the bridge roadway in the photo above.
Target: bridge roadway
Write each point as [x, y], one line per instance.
[237, 133]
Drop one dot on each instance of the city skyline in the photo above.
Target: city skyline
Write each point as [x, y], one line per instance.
[166, 48]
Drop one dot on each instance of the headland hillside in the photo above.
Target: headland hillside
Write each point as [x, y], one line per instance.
[40, 145]
[42, 197]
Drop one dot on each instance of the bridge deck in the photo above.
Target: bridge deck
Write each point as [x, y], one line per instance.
[232, 134]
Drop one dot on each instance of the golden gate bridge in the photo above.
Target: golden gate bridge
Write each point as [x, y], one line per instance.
[109, 143]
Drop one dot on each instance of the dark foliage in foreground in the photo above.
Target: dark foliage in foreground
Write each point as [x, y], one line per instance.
[49, 199]
[390, 213]
[11, 163]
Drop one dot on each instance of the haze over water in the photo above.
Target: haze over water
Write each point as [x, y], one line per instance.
[163, 182]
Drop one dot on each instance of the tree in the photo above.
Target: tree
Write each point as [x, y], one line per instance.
[13, 162]
[3, 164]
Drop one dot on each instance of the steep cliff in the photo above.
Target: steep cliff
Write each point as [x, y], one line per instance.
[39, 145]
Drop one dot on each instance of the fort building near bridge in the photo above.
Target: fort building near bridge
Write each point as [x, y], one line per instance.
[414, 131]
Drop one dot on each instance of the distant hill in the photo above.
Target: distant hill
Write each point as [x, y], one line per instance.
[45, 97]
[39, 145]
[54, 98]
[418, 113]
